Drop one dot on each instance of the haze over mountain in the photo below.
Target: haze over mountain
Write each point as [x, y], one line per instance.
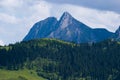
[68, 29]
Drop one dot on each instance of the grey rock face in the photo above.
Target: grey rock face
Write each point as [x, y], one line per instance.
[42, 29]
[117, 34]
[68, 29]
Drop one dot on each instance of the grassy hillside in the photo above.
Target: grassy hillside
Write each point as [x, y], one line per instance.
[19, 75]
[58, 60]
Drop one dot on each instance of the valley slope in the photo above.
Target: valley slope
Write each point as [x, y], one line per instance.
[59, 60]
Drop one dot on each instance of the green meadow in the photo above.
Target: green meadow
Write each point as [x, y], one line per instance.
[19, 75]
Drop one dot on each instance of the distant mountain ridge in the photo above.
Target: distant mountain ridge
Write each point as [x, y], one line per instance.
[68, 29]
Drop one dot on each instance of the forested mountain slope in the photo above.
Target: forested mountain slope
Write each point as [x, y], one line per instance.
[58, 60]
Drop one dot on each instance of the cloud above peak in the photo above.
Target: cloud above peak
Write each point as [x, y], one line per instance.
[109, 5]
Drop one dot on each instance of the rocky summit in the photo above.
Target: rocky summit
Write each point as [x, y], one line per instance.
[69, 29]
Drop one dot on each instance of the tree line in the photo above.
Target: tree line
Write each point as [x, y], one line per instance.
[58, 60]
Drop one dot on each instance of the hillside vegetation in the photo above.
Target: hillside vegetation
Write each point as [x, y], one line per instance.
[58, 60]
[19, 75]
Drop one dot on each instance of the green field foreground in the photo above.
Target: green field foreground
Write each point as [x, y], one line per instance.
[19, 75]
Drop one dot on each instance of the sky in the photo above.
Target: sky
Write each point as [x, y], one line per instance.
[18, 16]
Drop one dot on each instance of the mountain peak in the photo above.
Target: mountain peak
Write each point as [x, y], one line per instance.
[65, 20]
[117, 33]
[66, 15]
[118, 30]
[67, 28]
[51, 18]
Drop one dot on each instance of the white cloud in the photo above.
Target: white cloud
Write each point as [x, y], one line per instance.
[18, 16]
[15, 22]
[10, 3]
[110, 5]
[8, 18]
[39, 11]
[1, 43]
